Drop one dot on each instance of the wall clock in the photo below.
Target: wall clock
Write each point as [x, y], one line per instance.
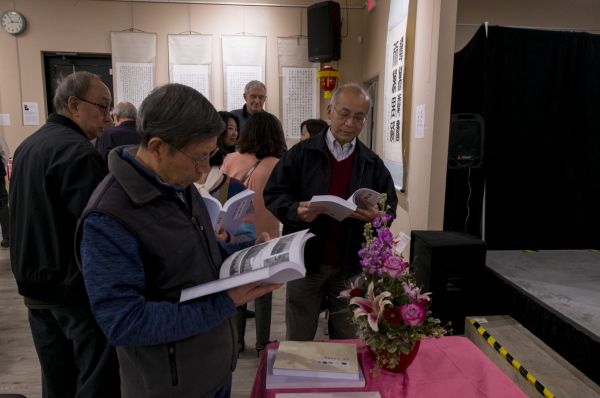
[13, 22]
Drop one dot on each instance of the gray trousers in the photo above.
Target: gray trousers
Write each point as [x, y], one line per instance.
[303, 305]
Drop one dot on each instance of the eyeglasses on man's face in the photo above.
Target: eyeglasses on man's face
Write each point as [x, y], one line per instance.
[345, 114]
[202, 159]
[106, 109]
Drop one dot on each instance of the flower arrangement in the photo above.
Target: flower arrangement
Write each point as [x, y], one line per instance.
[389, 309]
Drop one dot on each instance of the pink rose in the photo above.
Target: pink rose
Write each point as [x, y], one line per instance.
[395, 266]
[412, 314]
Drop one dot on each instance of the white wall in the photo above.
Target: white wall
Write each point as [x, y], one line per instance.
[85, 26]
[429, 59]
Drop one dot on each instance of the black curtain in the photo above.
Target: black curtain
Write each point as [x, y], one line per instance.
[539, 94]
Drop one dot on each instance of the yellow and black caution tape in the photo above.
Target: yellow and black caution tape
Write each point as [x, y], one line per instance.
[510, 359]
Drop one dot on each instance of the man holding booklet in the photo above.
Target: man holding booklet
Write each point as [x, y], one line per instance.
[144, 236]
[333, 162]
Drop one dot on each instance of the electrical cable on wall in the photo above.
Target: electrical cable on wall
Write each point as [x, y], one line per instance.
[468, 198]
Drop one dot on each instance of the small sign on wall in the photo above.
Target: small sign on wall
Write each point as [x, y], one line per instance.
[420, 130]
[4, 119]
[31, 114]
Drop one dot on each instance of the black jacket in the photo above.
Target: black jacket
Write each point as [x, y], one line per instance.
[54, 172]
[123, 134]
[304, 171]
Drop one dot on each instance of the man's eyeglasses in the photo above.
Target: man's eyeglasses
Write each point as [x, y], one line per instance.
[344, 114]
[106, 109]
[198, 161]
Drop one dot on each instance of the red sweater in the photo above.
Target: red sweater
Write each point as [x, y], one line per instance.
[336, 234]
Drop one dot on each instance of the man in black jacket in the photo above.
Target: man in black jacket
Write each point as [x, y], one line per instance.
[55, 170]
[334, 162]
[124, 132]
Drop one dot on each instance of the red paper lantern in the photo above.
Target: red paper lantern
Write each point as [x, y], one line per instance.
[328, 78]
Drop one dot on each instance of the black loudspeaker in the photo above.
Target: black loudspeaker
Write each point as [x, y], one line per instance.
[324, 31]
[465, 147]
[451, 266]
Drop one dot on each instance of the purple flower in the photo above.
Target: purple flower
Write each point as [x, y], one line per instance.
[412, 314]
[385, 236]
[395, 266]
[414, 293]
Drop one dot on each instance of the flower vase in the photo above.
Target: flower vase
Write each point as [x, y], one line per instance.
[404, 360]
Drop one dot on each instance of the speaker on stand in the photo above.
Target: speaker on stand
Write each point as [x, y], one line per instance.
[465, 146]
[324, 31]
[465, 179]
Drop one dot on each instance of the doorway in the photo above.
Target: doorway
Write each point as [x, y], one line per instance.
[60, 64]
[368, 135]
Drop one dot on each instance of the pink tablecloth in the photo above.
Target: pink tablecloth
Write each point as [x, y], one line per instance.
[446, 367]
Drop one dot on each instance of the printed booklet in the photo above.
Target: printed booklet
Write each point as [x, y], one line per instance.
[316, 359]
[340, 209]
[232, 213]
[277, 261]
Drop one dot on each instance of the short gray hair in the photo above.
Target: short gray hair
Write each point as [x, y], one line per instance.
[76, 84]
[254, 83]
[125, 109]
[355, 87]
[178, 115]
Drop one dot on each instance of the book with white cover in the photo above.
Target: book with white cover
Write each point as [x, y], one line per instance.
[317, 359]
[276, 261]
[274, 381]
[340, 209]
[231, 213]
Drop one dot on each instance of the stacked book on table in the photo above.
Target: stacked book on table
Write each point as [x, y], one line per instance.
[310, 364]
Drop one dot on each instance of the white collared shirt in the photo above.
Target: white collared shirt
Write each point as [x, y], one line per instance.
[339, 151]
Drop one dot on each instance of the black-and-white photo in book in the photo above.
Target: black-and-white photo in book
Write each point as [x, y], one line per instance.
[279, 260]
[232, 213]
[340, 208]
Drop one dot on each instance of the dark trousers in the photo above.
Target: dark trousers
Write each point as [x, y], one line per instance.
[75, 358]
[4, 208]
[304, 300]
[225, 391]
[262, 315]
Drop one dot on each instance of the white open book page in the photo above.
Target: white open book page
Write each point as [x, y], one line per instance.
[340, 209]
[277, 261]
[232, 213]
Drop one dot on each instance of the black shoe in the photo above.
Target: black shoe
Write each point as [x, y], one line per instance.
[249, 314]
[5, 243]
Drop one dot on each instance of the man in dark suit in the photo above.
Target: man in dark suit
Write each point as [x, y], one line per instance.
[124, 132]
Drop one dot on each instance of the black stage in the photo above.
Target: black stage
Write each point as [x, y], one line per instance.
[556, 295]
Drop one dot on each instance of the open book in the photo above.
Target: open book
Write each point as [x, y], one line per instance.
[232, 213]
[276, 261]
[339, 208]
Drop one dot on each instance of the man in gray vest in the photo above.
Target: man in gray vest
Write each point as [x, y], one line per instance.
[146, 235]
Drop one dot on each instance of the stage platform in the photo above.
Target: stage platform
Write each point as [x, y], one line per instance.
[556, 295]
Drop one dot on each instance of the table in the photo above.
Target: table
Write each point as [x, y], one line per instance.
[450, 366]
